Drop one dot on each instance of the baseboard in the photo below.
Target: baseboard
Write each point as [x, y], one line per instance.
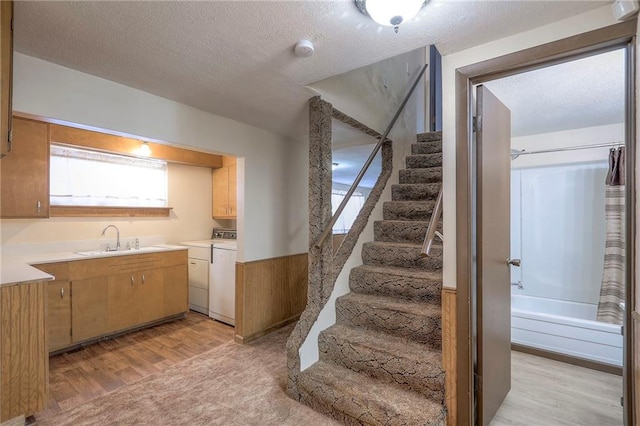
[248, 339]
[16, 421]
[580, 362]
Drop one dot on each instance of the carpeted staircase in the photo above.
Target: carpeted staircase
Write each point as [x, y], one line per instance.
[381, 363]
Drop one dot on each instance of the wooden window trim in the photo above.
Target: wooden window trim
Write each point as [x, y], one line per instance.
[108, 211]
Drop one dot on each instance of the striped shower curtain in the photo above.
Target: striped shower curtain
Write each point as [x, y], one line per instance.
[613, 276]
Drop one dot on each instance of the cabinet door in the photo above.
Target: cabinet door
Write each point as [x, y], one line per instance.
[89, 315]
[25, 173]
[6, 65]
[220, 186]
[122, 301]
[233, 188]
[176, 290]
[59, 314]
[150, 295]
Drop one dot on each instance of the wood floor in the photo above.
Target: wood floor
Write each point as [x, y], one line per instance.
[551, 393]
[79, 376]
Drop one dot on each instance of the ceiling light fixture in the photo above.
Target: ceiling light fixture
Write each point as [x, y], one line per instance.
[390, 13]
[144, 150]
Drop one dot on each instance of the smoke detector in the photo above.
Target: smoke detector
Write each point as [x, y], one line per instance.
[304, 48]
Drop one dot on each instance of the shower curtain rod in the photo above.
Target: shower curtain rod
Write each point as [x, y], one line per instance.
[515, 154]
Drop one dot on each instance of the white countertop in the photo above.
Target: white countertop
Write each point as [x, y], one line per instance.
[18, 269]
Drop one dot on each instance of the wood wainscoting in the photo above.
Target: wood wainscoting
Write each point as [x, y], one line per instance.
[449, 351]
[269, 294]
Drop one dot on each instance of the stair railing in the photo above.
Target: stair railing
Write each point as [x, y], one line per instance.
[432, 231]
[328, 230]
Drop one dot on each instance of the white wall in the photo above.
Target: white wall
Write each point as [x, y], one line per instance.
[361, 94]
[594, 19]
[190, 218]
[272, 217]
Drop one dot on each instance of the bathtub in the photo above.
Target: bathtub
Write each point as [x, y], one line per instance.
[564, 327]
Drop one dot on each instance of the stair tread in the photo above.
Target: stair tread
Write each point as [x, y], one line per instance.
[361, 397]
[406, 272]
[400, 222]
[410, 307]
[401, 347]
[390, 244]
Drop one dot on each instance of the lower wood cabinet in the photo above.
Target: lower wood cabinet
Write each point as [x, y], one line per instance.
[110, 295]
[59, 314]
[24, 360]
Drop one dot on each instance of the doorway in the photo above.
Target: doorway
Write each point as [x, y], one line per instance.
[567, 234]
[620, 36]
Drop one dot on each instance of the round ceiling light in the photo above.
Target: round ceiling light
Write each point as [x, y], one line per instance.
[390, 13]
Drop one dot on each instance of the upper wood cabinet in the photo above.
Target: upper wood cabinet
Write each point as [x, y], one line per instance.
[24, 174]
[6, 71]
[225, 187]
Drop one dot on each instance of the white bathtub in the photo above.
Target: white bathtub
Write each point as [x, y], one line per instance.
[564, 327]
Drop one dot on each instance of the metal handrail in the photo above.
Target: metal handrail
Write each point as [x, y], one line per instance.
[367, 163]
[433, 226]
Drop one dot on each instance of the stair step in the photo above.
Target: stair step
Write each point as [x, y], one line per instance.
[423, 161]
[424, 286]
[355, 399]
[408, 210]
[418, 321]
[426, 147]
[428, 175]
[397, 361]
[401, 255]
[401, 231]
[429, 137]
[415, 191]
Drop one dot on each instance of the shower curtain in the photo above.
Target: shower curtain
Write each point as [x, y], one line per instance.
[613, 275]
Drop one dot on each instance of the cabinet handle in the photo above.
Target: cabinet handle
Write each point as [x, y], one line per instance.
[61, 292]
[132, 280]
[38, 205]
[142, 278]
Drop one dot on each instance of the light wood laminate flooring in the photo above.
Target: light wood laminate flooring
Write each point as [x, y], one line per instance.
[551, 393]
[81, 375]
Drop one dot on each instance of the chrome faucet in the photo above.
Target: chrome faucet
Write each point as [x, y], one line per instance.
[519, 285]
[117, 236]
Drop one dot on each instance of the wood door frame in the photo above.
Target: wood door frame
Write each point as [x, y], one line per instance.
[571, 48]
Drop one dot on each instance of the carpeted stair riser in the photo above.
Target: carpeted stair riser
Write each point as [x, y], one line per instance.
[354, 399]
[404, 231]
[426, 148]
[401, 231]
[401, 255]
[430, 175]
[415, 191]
[417, 321]
[396, 361]
[408, 210]
[424, 286]
[429, 137]
[424, 161]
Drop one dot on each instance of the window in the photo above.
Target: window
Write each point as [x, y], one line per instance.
[81, 177]
[350, 212]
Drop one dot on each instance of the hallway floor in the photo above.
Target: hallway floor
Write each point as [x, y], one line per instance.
[551, 393]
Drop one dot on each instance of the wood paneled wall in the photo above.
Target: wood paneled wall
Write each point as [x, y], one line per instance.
[269, 293]
[449, 352]
[24, 358]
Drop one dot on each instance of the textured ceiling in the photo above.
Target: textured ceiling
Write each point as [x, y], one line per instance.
[235, 58]
[582, 93]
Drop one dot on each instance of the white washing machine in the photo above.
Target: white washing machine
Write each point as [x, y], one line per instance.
[222, 281]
